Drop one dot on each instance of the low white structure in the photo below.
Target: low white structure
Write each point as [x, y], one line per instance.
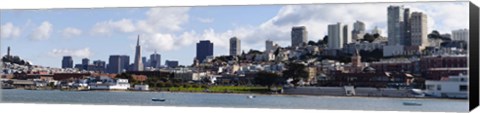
[119, 84]
[141, 87]
[453, 87]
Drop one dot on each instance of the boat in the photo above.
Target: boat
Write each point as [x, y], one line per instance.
[451, 87]
[251, 96]
[158, 99]
[411, 104]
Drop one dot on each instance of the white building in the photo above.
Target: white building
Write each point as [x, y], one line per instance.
[365, 46]
[460, 34]
[418, 30]
[235, 46]
[453, 87]
[118, 84]
[141, 87]
[335, 36]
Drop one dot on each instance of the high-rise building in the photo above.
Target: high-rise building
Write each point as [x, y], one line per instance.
[335, 36]
[145, 62]
[418, 30]
[299, 36]
[8, 52]
[138, 65]
[346, 35]
[204, 50]
[407, 35]
[460, 34]
[396, 25]
[118, 63]
[99, 66]
[85, 62]
[67, 62]
[358, 30]
[155, 60]
[270, 46]
[235, 46]
[171, 63]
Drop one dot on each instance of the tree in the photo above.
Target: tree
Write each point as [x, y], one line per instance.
[267, 79]
[376, 35]
[368, 37]
[325, 39]
[312, 43]
[296, 72]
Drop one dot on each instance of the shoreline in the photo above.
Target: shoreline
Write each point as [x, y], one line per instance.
[252, 93]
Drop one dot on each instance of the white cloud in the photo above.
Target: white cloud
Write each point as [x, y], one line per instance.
[71, 32]
[9, 30]
[108, 27]
[205, 20]
[80, 53]
[157, 20]
[42, 32]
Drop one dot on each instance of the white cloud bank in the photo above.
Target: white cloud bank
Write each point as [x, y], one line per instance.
[42, 32]
[70, 32]
[79, 53]
[9, 30]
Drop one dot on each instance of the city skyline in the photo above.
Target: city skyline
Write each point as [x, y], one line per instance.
[111, 36]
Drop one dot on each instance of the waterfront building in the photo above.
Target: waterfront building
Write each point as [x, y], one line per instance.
[204, 50]
[453, 87]
[460, 34]
[138, 65]
[171, 63]
[335, 36]
[118, 63]
[107, 83]
[67, 62]
[235, 46]
[358, 31]
[155, 60]
[299, 36]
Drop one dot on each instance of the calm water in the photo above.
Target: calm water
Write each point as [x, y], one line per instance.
[230, 100]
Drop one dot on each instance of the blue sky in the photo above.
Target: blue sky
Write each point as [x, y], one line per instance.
[44, 36]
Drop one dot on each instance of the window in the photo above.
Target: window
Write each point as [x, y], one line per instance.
[439, 87]
[463, 88]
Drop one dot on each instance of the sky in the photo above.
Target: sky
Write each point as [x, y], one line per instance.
[44, 36]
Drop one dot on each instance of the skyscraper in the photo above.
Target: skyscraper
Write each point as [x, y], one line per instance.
[204, 49]
[99, 66]
[171, 63]
[138, 65]
[155, 60]
[85, 62]
[418, 30]
[335, 36]
[460, 34]
[8, 52]
[118, 63]
[358, 30]
[67, 62]
[396, 26]
[299, 36]
[235, 46]
[346, 35]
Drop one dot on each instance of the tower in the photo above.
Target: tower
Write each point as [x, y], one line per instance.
[356, 62]
[138, 65]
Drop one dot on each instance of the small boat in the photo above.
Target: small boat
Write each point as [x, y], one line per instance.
[158, 99]
[251, 96]
[411, 104]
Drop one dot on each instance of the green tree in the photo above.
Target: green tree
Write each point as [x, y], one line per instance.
[296, 72]
[267, 79]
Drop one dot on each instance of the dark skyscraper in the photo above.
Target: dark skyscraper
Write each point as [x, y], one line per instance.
[118, 63]
[85, 62]
[8, 52]
[137, 63]
[299, 35]
[67, 62]
[155, 60]
[99, 66]
[171, 63]
[204, 49]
